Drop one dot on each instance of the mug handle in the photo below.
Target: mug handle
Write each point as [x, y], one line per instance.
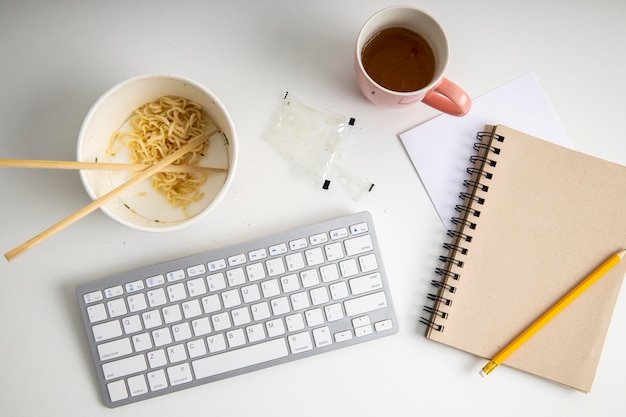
[448, 98]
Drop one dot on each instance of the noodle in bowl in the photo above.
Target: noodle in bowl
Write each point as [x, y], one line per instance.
[107, 135]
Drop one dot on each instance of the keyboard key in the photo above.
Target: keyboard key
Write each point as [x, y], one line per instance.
[365, 284]
[280, 306]
[236, 277]
[383, 325]
[96, 313]
[201, 326]
[156, 297]
[359, 228]
[181, 331]
[294, 322]
[290, 283]
[309, 278]
[191, 309]
[92, 297]
[314, 257]
[179, 374]
[157, 358]
[114, 291]
[270, 288]
[196, 348]
[359, 245]
[319, 296]
[255, 272]
[275, 327]
[257, 254]
[132, 324]
[151, 319]
[300, 342]
[134, 286]
[298, 244]
[260, 311]
[221, 321]
[333, 251]
[322, 337]
[117, 390]
[136, 302]
[177, 353]
[294, 261]
[333, 312]
[367, 303]
[348, 268]
[236, 338]
[329, 273]
[123, 367]
[175, 275]
[318, 239]
[255, 332]
[278, 249]
[162, 336]
[114, 349]
[216, 343]
[241, 316]
[157, 380]
[338, 233]
[172, 314]
[251, 293]
[196, 287]
[240, 358]
[155, 281]
[343, 336]
[216, 282]
[314, 317]
[194, 271]
[176, 292]
[116, 307]
[368, 263]
[231, 298]
[142, 342]
[106, 331]
[238, 259]
[211, 303]
[137, 385]
[216, 265]
[338, 290]
[363, 330]
[275, 266]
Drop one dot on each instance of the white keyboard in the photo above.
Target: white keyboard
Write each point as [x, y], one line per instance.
[221, 313]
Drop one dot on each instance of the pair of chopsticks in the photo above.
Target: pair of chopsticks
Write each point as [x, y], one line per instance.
[140, 176]
[36, 163]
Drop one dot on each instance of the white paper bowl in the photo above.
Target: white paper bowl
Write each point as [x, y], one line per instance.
[141, 207]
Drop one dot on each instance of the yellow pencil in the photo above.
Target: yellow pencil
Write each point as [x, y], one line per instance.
[552, 312]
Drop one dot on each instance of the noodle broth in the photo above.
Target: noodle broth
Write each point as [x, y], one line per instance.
[144, 201]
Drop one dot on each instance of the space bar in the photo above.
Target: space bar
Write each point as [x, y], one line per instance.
[240, 358]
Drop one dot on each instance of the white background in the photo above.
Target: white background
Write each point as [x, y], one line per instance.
[59, 57]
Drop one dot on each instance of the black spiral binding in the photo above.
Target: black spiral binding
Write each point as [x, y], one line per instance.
[473, 197]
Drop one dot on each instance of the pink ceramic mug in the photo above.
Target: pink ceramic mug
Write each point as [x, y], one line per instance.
[440, 93]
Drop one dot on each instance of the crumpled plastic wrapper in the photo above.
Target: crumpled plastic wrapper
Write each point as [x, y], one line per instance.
[313, 139]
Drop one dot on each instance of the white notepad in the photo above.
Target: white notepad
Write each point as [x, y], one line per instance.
[440, 148]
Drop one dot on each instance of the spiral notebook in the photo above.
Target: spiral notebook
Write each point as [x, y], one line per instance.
[535, 219]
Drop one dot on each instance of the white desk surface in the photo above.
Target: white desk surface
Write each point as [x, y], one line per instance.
[58, 57]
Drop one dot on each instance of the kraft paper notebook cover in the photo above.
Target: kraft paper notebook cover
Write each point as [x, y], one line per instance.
[535, 219]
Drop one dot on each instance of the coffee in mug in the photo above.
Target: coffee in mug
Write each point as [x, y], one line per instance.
[399, 59]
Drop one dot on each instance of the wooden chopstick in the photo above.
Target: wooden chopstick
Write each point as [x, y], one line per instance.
[140, 176]
[105, 166]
